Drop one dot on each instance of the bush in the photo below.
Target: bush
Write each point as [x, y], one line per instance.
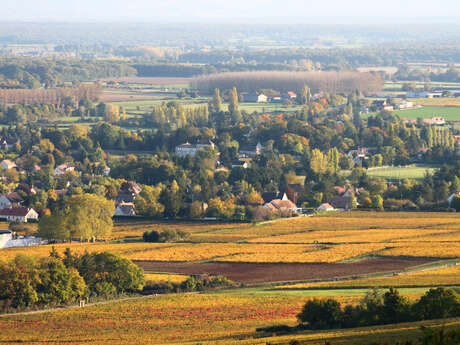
[164, 236]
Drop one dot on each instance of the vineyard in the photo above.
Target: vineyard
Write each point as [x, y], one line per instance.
[338, 256]
[188, 319]
[325, 239]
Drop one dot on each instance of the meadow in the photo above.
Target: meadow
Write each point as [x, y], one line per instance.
[395, 173]
[448, 113]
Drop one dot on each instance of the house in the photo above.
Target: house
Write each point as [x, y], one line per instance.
[342, 202]
[281, 205]
[325, 207]
[240, 164]
[404, 105]
[124, 197]
[10, 200]
[291, 96]
[188, 149]
[63, 168]
[255, 98]
[125, 209]
[21, 214]
[7, 164]
[130, 187]
[269, 196]
[251, 151]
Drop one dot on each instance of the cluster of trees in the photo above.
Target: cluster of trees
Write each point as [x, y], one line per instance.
[174, 115]
[33, 73]
[330, 82]
[380, 308]
[451, 74]
[28, 282]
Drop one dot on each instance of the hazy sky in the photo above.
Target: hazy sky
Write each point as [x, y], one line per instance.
[216, 10]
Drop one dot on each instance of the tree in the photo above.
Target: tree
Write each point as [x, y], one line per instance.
[321, 314]
[233, 106]
[58, 283]
[437, 303]
[147, 202]
[89, 216]
[216, 103]
[18, 281]
[84, 216]
[395, 307]
[106, 272]
[377, 202]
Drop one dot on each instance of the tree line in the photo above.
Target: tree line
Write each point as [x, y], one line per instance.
[330, 82]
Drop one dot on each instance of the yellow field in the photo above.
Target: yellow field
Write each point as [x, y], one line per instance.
[439, 277]
[186, 319]
[444, 101]
[165, 278]
[330, 238]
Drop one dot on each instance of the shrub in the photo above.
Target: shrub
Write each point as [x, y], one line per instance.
[322, 314]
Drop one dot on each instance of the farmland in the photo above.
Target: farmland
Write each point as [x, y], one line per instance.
[188, 319]
[344, 243]
[282, 263]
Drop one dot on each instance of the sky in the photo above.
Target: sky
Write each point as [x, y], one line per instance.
[262, 11]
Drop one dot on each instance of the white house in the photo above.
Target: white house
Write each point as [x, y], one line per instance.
[240, 164]
[7, 164]
[125, 209]
[63, 168]
[21, 214]
[188, 149]
[255, 98]
[325, 207]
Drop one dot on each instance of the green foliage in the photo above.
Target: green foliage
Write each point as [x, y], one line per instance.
[379, 308]
[164, 236]
[86, 216]
[106, 273]
[321, 314]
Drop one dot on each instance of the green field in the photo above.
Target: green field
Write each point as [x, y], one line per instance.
[405, 172]
[448, 113]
